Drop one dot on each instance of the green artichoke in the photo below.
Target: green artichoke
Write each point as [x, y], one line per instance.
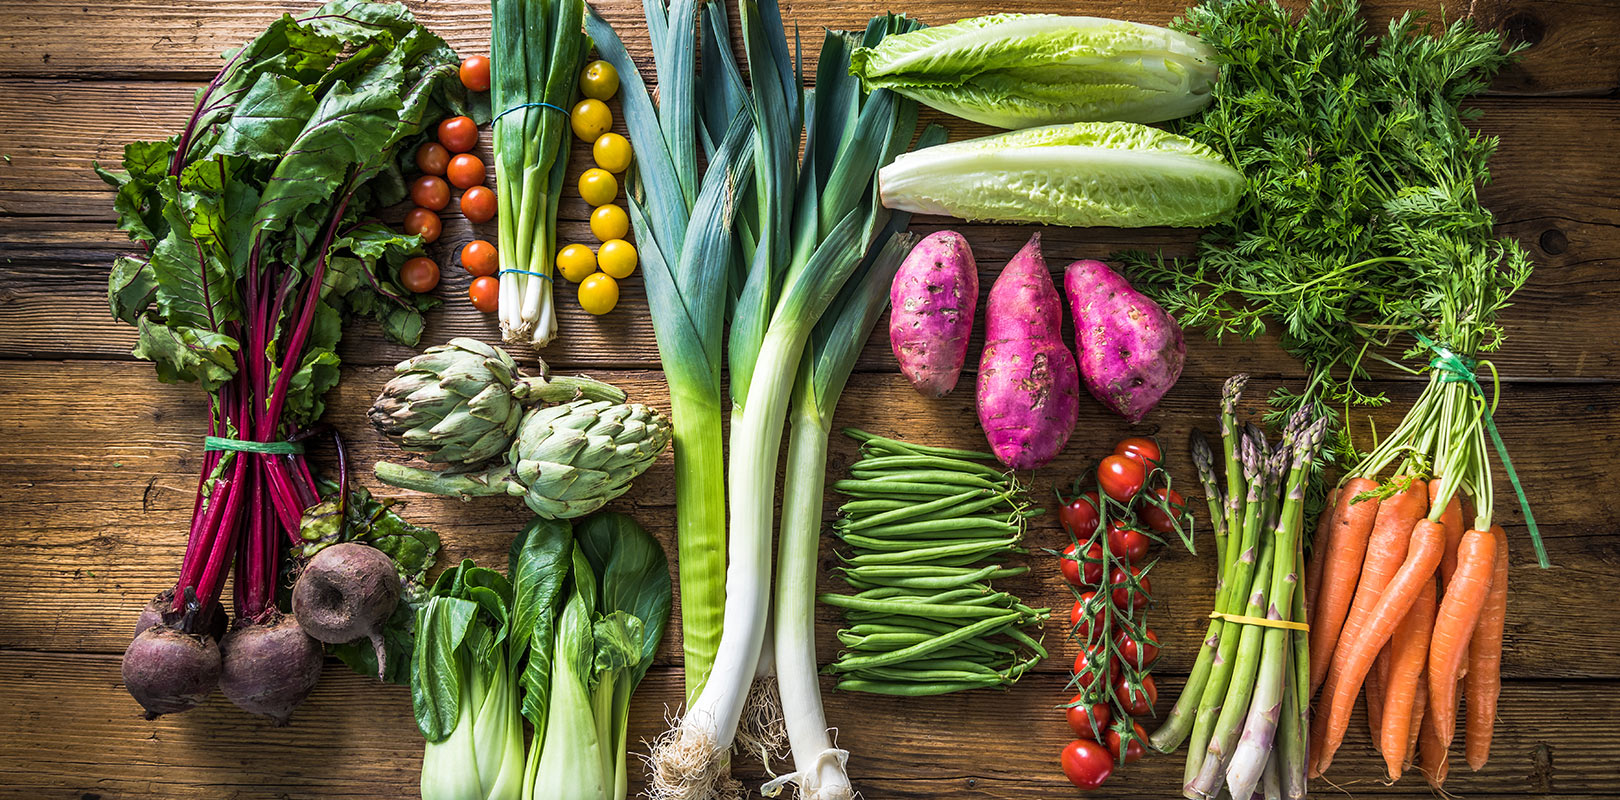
[460, 403]
[566, 461]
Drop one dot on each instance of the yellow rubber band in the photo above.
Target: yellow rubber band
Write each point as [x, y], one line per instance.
[1261, 621]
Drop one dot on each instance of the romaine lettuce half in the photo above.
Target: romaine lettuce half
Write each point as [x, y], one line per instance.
[1022, 70]
[1082, 174]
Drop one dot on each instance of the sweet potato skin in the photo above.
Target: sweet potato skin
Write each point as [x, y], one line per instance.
[931, 306]
[1131, 352]
[1029, 385]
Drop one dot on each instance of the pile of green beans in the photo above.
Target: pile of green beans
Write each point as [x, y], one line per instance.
[925, 528]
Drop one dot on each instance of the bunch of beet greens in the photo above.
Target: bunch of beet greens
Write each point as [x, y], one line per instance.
[256, 246]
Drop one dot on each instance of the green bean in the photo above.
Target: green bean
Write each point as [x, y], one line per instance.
[902, 509]
[922, 648]
[912, 608]
[885, 571]
[927, 675]
[903, 689]
[960, 664]
[907, 595]
[942, 476]
[875, 463]
[933, 582]
[941, 525]
[880, 441]
[854, 507]
[871, 545]
[856, 488]
[972, 551]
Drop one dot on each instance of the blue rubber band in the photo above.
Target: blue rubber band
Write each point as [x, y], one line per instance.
[527, 105]
[526, 272]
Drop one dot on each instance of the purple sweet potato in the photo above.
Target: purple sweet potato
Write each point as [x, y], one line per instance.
[1131, 351]
[1029, 387]
[931, 306]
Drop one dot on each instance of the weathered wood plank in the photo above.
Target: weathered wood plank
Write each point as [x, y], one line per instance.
[149, 38]
[76, 734]
[101, 467]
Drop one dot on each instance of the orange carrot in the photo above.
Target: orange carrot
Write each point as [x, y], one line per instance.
[1352, 662]
[1319, 550]
[1409, 654]
[1347, 547]
[1374, 691]
[1431, 751]
[1454, 624]
[1420, 709]
[1484, 681]
[1452, 518]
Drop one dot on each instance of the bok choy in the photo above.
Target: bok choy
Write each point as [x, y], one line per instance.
[563, 644]
[1022, 70]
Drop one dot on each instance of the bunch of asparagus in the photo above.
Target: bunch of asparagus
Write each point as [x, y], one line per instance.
[1246, 703]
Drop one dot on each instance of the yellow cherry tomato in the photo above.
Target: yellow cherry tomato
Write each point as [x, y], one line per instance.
[599, 81]
[598, 294]
[591, 119]
[598, 186]
[576, 262]
[612, 152]
[609, 222]
[617, 258]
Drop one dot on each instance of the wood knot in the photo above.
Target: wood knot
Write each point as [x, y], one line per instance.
[1553, 242]
[1541, 768]
[1524, 28]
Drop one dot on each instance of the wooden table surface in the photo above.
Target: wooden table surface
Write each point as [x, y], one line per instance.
[98, 460]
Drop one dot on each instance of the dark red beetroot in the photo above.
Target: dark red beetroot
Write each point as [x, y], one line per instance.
[167, 670]
[269, 667]
[161, 609]
[346, 592]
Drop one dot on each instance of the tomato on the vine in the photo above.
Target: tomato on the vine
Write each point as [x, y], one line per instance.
[1141, 449]
[458, 134]
[1121, 477]
[1080, 516]
[1127, 543]
[1092, 663]
[1155, 517]
[1124, 593]
[1087, 719]
[1134, 750]
[1083, 616]
[1086, 570]
[1137, 702]
[1086, 764]
[1140, 655]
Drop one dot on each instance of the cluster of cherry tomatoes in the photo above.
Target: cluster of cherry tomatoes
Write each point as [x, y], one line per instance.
[1112, 531]
[598, 273]
[445, 162]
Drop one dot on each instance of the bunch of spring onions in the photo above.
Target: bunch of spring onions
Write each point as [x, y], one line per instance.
[1246, 702]
[921, 524]
[537, 50]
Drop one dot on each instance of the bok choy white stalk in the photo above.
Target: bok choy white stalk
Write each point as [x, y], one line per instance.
[537, 49]
[683, 234]
[815, 219]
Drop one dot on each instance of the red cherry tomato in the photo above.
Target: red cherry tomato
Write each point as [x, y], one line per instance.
[1083, 616]
[1121, 477]
[475, 73]
[1079, 516]
[1136, 702]
[1086, 720]
[1140, 655]
[1127, 543]
[1084, 570]
[430, 192]
[1155, 516]
[485, 294]
[458, 134]
[1093, 663]
[424, 223]
[419, 274]
[1124, 593]
[465, 171]
[1133, 751]
[1141, 449]
[432, 158]
[478, 204]
[479, 258]
[1086, 764]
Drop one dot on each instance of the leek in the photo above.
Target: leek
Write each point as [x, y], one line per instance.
[537, 49]
[683, 234]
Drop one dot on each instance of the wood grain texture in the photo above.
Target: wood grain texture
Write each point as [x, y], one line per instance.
[1573, 47]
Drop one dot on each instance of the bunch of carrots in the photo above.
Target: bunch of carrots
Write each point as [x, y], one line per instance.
[1407, 592]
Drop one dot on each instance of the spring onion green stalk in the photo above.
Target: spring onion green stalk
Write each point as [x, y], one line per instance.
[537, 49]
[683, 235]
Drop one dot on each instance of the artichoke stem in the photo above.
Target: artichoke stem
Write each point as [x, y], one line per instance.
[467, 485]
[566, 388]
